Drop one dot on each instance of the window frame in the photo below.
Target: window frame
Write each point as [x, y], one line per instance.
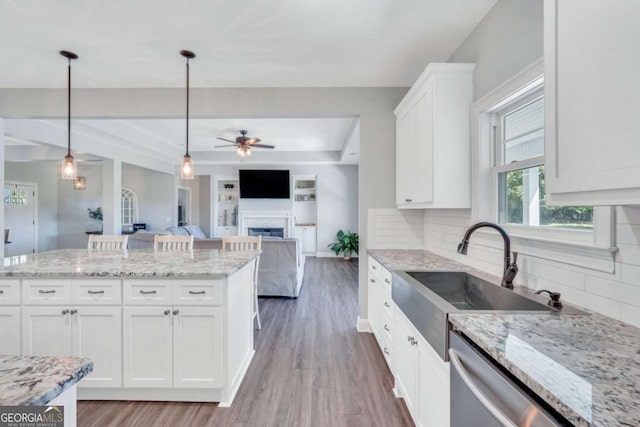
[134, 200]
[593, 249]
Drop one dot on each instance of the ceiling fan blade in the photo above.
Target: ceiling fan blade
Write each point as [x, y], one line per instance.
[253, 141]
[220, 146]
[263, 146]
[228, 140]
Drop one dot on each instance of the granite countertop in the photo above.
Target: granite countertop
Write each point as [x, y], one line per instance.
[144, 263]
[587, 367]
[36, 380]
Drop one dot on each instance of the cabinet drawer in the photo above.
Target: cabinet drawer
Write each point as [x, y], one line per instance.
[46, 292]
[387, 305]
[96, 292]
[147, 292]
[385, 278]
[387, 351]
[387, 327]
[197, 292]
[374, 267]
[9, 292]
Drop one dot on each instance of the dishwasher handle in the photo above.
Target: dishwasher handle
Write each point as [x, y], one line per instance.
[486, 402]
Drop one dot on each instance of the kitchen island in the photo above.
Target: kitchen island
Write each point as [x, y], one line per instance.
[171, 326]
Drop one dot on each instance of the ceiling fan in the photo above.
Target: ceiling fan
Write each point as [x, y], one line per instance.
[244, 144]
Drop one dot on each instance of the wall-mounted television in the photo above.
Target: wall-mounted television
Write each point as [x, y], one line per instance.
[264, 184]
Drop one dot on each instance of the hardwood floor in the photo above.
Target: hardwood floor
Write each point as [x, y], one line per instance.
[311, 368]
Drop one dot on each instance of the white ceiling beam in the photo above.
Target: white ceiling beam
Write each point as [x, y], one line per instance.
[264, 157]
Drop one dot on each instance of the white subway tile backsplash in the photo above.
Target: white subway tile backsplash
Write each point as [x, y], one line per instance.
[630, 274]
[630, 314]
[613, 290]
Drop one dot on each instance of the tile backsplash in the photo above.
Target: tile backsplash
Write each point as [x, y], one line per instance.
[616, 295]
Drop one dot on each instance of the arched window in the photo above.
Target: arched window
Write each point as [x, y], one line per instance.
[128, 206]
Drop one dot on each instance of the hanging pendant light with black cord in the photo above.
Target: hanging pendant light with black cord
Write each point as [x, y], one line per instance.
[69, 169]
[186, 171]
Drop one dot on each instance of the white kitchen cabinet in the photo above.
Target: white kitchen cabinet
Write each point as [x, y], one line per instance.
[422, 377]
[307, 237]
[407, 359]
[46, 331]
[10, 331]
[225, 231]
[148, 346]
[592, 152]
[96, 333]
[197, 347]
[433, 139]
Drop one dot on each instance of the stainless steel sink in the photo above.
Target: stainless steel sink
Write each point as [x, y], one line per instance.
[427, 298]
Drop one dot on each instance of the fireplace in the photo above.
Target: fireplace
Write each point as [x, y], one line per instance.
[266, 231]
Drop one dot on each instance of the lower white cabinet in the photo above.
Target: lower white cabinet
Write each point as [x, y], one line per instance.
[10, 331]
[307, 237]
[179, 347]
[80, 331]
[422, 377]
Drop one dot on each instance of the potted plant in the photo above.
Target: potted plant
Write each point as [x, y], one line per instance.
[96, 215]
[347, 243]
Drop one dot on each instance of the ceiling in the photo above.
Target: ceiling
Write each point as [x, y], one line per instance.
[274, 43]
[297, 140]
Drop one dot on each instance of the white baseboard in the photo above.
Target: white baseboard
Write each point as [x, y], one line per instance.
[362, 325]
[331, 255]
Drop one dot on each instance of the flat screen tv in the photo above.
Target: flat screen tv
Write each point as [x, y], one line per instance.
[264, 184]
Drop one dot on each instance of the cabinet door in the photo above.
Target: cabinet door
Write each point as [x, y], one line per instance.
[10, 331]
[374, 305]
[592, 152]
[433, 393]
[197, 347]
[97, 333]
[405, 131]
[46, 331]
[422, 150]
[309, 240]
[148, 346]
[406, 361]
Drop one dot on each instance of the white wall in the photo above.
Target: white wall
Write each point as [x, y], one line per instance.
[46, 175]
[337, 195]
[157, 198]
[72, 216]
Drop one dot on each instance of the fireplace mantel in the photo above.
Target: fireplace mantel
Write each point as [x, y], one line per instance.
[265, 219]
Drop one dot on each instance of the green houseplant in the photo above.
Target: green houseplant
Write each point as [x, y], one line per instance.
[96, 216]
[347, 243]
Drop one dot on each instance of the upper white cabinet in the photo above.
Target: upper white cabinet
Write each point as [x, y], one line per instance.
[433, 139]
[592, 143]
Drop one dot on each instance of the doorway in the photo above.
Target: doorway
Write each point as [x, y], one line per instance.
[20, 214]
[184, 206]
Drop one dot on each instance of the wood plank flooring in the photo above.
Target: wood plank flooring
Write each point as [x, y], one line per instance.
[311, 368]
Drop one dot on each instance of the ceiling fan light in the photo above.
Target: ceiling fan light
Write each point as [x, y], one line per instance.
[240, 151]
[186, 171]
[247, 151]
[69, 168]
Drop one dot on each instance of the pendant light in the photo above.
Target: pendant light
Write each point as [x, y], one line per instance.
[69, 168]
[186, 171]
[80, 183]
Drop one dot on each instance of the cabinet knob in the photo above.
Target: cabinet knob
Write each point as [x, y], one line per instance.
[374, 267]
[386, 304]
[407, 200]
[372, 280]
[176, 312]
[65, 312]
[166, 312]
[1, 292]
[386, 328]
[385, 350]
[73, 311]
[387, 281]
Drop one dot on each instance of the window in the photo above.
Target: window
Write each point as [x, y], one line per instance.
[128, 207]
[518, 133]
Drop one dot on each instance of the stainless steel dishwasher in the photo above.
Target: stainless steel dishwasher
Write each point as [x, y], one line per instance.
[482, 395]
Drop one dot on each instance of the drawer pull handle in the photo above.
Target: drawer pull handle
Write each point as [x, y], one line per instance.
[73, 311]
[372, 280]
[176, 312]
[374, 267]
[387, 281]
[407, 200]
[1, 292]
[386, 304]
[65, 312]
[386, 351]
[95, 292]
[166, 312]
[52, 291]
[412, 340]
[148, 292]
[197, 292]
[386, 328]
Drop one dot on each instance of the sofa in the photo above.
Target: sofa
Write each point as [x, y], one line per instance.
[281, 269]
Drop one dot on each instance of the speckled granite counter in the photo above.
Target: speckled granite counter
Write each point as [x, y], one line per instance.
[585, 367]
[201, 263]
[36, 380]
